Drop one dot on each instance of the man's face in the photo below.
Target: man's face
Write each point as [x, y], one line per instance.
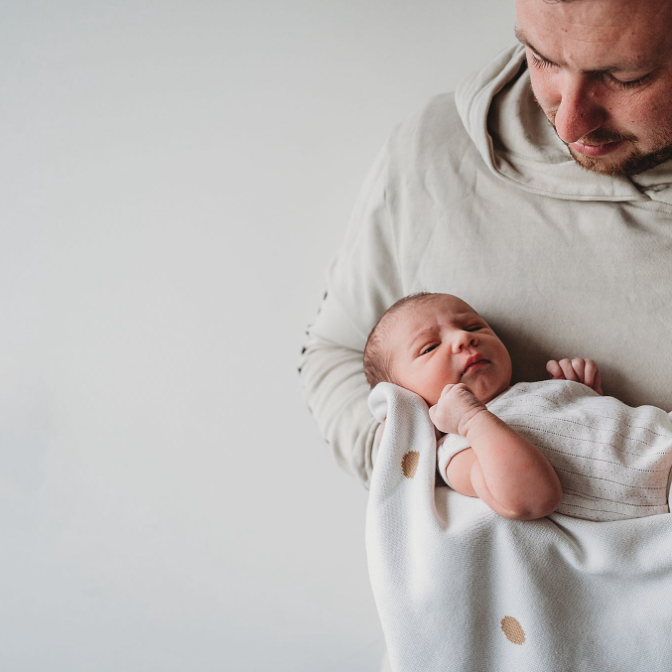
[601, 70]
[442, 341]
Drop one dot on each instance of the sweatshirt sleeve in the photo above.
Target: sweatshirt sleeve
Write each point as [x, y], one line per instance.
[362, 282]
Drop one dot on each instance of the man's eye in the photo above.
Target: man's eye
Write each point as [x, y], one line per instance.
[427, 349]
[540, 62]
[631, 83]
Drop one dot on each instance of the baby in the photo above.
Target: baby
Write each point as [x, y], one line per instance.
[518, 448]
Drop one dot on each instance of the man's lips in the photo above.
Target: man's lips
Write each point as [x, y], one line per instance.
[474, 362]
[596, 150]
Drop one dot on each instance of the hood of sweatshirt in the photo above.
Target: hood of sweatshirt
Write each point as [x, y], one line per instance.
[516, 141]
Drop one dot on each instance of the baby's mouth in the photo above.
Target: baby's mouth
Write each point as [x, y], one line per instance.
[474, 363]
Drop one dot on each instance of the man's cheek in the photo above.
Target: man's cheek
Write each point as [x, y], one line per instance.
[543, 98]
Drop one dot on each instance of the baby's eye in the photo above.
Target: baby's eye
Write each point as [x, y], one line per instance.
[428, 348]
[475, 327]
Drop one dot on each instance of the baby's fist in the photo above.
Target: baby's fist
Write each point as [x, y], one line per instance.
[456, 407]
[579, 370]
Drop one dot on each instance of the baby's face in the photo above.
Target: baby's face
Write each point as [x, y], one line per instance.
[442, 341]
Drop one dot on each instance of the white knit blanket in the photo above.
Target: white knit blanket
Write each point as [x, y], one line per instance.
[460, 588]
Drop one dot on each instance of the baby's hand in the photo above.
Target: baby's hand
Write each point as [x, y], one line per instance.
[579, 370]
[456, 407]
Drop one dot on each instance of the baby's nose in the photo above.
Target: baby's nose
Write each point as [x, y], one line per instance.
[464, 340]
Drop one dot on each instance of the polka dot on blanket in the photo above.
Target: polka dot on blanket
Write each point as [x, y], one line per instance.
[409, 463]
[513, 630]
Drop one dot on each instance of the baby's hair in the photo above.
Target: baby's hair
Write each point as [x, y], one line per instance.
[377, 356]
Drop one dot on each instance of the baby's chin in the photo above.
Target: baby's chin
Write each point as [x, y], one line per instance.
[486, 393]
[494, 395]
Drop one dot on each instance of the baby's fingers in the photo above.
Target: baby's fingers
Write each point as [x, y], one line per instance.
[562, 370]
[567, 367]
[578, 370]
[554, 369]
[447, 389]
[590, 373]
[597, 384]
[579, 367]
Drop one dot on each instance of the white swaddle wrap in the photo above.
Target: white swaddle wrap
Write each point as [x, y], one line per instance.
[460, 588]
[613, 461]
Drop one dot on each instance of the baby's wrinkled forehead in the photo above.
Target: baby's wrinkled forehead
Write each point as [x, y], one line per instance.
[431, 308]
[423, 317]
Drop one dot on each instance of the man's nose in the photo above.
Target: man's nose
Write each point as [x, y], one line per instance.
[464, 339]
[579, 112]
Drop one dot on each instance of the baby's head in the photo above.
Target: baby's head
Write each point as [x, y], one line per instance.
[427, 341]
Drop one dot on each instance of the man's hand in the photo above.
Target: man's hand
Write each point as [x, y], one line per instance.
[579, 370]
[455, 409]
[380, 431]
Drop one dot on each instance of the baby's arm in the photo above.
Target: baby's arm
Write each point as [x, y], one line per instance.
[579, 370]
[502, 468]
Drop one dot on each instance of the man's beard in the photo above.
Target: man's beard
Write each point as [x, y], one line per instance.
[636, 162]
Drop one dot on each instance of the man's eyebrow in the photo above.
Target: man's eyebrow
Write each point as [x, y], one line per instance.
[625, 66]
[520, 36]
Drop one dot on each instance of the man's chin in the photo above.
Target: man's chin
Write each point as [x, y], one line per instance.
[607, 165]
[622, 162]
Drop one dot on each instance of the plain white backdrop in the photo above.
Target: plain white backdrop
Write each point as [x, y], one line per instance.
[175, 177]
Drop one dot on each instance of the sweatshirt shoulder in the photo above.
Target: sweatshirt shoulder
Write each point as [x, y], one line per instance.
[433, 135]
[436, 123]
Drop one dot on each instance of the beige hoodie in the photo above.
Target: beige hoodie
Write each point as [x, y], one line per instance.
[476, 196]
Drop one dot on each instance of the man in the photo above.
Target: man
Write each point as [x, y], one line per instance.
[607, 87]
[540, 193]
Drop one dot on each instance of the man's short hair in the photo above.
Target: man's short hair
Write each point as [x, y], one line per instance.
[378, 358]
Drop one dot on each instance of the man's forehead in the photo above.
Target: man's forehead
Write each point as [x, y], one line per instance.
[590, 15]
[611, 62]
[611, 34]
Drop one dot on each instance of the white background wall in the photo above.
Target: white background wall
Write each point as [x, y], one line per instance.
[174, 178]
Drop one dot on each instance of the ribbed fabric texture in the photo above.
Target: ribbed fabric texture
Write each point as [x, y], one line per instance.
[614, 461]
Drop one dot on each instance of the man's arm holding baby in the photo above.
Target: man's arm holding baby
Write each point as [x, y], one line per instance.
[502, 468]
